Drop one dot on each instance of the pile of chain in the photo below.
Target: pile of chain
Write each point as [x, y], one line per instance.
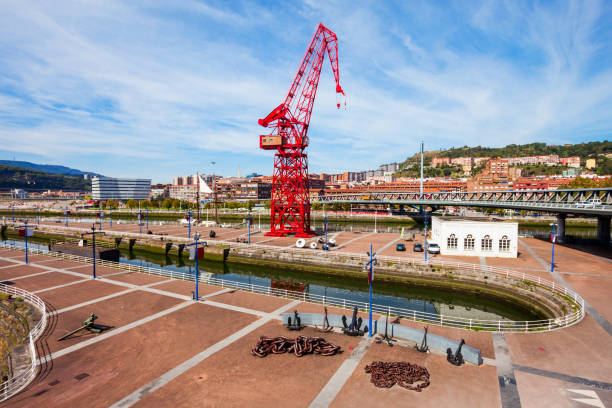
[402, 373]
[300, 346]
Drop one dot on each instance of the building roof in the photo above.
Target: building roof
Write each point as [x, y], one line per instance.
[472, 219]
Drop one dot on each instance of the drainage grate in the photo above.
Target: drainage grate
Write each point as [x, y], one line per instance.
[54, 383]
[81, 376]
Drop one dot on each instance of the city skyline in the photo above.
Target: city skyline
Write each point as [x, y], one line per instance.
[151, 90]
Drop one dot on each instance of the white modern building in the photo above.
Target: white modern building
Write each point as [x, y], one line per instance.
[475, 236]
[106, 188]
[19, 194]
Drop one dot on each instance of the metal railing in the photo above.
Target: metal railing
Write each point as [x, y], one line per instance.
[15, 384]
[500, 325]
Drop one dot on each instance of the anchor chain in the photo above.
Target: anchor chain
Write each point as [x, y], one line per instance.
[299, 346]
[402, 373]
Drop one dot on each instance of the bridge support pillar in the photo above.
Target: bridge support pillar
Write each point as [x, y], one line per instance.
[401, 209]
[603, 229]
[561, 228]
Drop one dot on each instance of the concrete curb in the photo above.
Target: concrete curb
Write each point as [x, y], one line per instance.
[434, 341]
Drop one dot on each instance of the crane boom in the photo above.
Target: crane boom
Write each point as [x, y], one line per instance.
[290, 203]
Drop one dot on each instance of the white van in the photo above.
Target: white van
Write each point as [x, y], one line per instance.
[594, 202]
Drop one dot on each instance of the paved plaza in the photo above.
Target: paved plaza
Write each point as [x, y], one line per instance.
[164, 349]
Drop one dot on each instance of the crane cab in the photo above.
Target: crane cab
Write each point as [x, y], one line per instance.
[270, 142]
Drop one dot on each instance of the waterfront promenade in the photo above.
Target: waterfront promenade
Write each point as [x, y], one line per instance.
[164, 349]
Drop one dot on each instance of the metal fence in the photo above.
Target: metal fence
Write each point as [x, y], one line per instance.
[15, 384]
[573, 316]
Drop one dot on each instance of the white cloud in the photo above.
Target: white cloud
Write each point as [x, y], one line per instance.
[158, 81]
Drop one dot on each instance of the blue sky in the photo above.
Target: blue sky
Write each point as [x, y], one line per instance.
[158, 89]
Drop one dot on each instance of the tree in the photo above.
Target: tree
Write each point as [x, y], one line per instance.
[581, 182]
[131, 203]
[167, 203]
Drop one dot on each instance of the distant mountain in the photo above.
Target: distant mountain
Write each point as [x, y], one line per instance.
[33, 180]
[46, 168]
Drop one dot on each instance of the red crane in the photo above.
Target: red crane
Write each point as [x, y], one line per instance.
[290, 204]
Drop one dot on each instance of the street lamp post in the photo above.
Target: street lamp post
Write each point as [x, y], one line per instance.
[147, 218]
[189, 222]
[37, 215]
[325, 232]
[93, 247]
[111, 217]
[249, 227]
[25, 236]
[139, 222]
[196, 295]
[425, 249]
[375, 220]
[370, 281]
[553, 238]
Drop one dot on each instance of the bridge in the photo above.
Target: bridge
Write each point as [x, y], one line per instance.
[559, 202]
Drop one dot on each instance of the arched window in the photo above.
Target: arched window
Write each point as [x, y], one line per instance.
[451, 242]
[486, 243]
[468, 243]
[504, 244]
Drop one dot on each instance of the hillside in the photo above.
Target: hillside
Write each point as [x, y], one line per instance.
[32, 180]
[46, 168]
[532, 149]
[583, 150]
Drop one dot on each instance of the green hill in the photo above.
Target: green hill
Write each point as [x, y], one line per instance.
[32, 180]
[583, 150]
[531, 149]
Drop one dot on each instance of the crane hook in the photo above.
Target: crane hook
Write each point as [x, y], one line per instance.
[339, 98]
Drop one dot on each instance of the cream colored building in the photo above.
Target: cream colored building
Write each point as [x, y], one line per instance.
[591, 163]
[486, 237]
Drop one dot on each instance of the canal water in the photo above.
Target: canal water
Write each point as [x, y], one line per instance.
[404, 296]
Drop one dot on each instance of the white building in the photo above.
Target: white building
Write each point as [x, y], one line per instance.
[475, 236]
[106, 188]
[19, 194]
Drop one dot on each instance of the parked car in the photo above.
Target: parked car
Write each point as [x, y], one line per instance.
[417, 247]
[400, 247]
[433, 248]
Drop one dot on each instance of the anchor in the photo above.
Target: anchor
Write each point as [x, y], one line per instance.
[297, 322]
[386, 338]
[326, 326]
[87, 325]
[423, 348]
[456, 359]
[354, 328]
